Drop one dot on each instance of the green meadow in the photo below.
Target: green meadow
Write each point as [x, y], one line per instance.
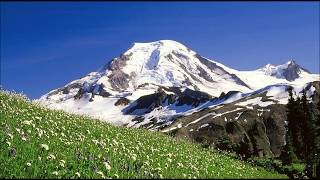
[36, 142]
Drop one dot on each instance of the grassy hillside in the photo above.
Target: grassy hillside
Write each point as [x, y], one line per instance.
[41, 143]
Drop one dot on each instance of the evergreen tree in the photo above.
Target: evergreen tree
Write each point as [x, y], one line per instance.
[317, 140]
[288, 152]
[297, 121]
[317, 126]
[307, 131]
[316, 152]
[311, 133]
[308, 134]
[288, 155]
[294, 118]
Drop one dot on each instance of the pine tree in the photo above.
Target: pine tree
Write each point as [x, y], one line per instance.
[316, 157]
[317, 126]
[307, 132]
[311, 134]
[294, 118]
[297, 121]
[317, 140]
[288, 155]
[288, 152]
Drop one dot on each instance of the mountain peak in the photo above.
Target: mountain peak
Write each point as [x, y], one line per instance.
[291, 62]
[160, 45]
[160, 42]
[289, 70]
[166, 63]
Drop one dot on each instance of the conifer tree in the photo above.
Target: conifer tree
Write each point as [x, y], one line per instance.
[288, 152]
[297, 121]
[308, 133]
[288, 155]
[307, 130]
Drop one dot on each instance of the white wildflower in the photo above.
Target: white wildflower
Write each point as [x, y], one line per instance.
[61, 163]
[55, 173]
[107, 165]
[9, 143]
[146, 163]
[100, 173]
[51, 156]
[29, 164]
[134, 157]
[78, 174]
[180, 165]
[27, 122]
[44, 146]
[18, 130]
[95, 141]
[10, 135]
[115, 142]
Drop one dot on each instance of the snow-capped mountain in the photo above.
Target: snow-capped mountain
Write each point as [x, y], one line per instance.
[166, 63]
[159, 81]
[289, 71]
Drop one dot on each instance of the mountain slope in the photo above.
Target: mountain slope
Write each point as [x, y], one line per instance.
[33, 138]
[159, 81]
[254, 124]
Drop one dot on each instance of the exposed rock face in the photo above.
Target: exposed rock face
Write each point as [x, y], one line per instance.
[316, 96]
[118, 79]
[150, 102]
[250, 134]
[161, 98]
[122, 102]
[291, 72]
[94, 89]
[194, 98]
[66, 89]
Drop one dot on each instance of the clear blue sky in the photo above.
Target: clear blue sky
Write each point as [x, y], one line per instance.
[46, 45]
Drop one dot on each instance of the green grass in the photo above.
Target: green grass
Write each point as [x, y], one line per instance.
[298, 167]
[79, 146]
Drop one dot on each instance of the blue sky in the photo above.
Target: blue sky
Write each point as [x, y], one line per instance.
[45, 45]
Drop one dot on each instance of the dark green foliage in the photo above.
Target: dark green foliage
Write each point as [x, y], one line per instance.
[302, 135]
[306, 126]
[312, 140]
[288, 155]
[288, 152]
[224, 143]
